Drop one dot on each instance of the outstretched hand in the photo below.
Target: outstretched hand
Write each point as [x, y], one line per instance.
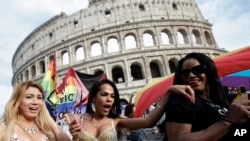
[239, 111]
[184, 90]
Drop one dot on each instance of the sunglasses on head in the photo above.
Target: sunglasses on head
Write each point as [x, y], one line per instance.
[195, 70]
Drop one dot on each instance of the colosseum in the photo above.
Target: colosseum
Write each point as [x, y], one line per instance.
[132, 41]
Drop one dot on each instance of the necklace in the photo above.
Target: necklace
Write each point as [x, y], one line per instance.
[29, 130]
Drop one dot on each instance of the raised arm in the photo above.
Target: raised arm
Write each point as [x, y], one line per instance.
[154, 116]
[238, 113]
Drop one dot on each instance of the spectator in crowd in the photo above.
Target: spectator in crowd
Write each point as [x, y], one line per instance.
[134, 135]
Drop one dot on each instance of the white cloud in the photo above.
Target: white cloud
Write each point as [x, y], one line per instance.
[230, 20]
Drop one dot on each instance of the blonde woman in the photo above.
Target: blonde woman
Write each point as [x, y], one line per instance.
[26, 117]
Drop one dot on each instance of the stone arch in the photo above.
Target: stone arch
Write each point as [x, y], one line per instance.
[118, 74]
[172, 63]
[130, 41]
[98, 71]
[113, 45]
[136, 71]
[80, 53]
[65, 57]
[33, 71]
[166, 37]
[148, 38]
[26, 75]
[196, 37]
[42, 66]
[155, 69]
[182, 36]
[208, 38]
[96, 49]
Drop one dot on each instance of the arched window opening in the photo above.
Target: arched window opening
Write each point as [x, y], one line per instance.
[167, 37]
[182, 37]
[130, 42]
[26, 75]
[148, 40]
[155, 71]
[136, 72]
[141, 7]
[33, 71]
[80, 54]
[96, 49]
[208, 38]
[196, 37]
[21, 78]
[107, 13]
[113, 45]
[51, 58]
[174, 5]
[42, 66]
[65, 58]
[172, 64]
[117, 75]
[98, 72]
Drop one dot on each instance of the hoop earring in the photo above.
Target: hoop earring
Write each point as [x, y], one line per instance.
[93, 107]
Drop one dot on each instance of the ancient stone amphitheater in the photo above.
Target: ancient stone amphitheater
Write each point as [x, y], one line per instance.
[132, 41]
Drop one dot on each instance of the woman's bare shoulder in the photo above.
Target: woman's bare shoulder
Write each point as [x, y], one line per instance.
[2, 129]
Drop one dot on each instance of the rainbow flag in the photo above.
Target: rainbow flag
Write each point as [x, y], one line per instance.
[72, 94]
[227, 63]
[49, 85]
[66, 96]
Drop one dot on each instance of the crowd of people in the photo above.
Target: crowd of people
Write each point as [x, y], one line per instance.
[196, 108]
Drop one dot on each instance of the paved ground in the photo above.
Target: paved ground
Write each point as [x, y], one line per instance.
[148, 134]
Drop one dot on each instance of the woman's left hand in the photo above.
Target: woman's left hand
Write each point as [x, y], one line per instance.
[184, 90]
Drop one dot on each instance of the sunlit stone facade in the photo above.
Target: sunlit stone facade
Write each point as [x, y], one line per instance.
[132, 41]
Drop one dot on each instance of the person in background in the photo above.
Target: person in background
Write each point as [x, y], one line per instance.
[26, 117]
[102, 118]
[211, 117]
[134, 135]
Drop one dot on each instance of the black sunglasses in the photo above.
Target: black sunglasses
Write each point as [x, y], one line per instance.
[195, 70]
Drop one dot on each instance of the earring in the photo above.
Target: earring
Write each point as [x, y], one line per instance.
[93, 107]
[113, 110]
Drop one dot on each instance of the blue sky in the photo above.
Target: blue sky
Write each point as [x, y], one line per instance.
[230, 19]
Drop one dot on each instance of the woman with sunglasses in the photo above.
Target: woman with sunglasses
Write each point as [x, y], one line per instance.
[211, 117]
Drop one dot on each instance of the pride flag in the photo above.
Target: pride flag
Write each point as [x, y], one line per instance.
[72, 94]
[49, 85]
[49, 79]
[227, 63]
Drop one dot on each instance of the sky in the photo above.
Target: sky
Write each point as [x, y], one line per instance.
[230, 19]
